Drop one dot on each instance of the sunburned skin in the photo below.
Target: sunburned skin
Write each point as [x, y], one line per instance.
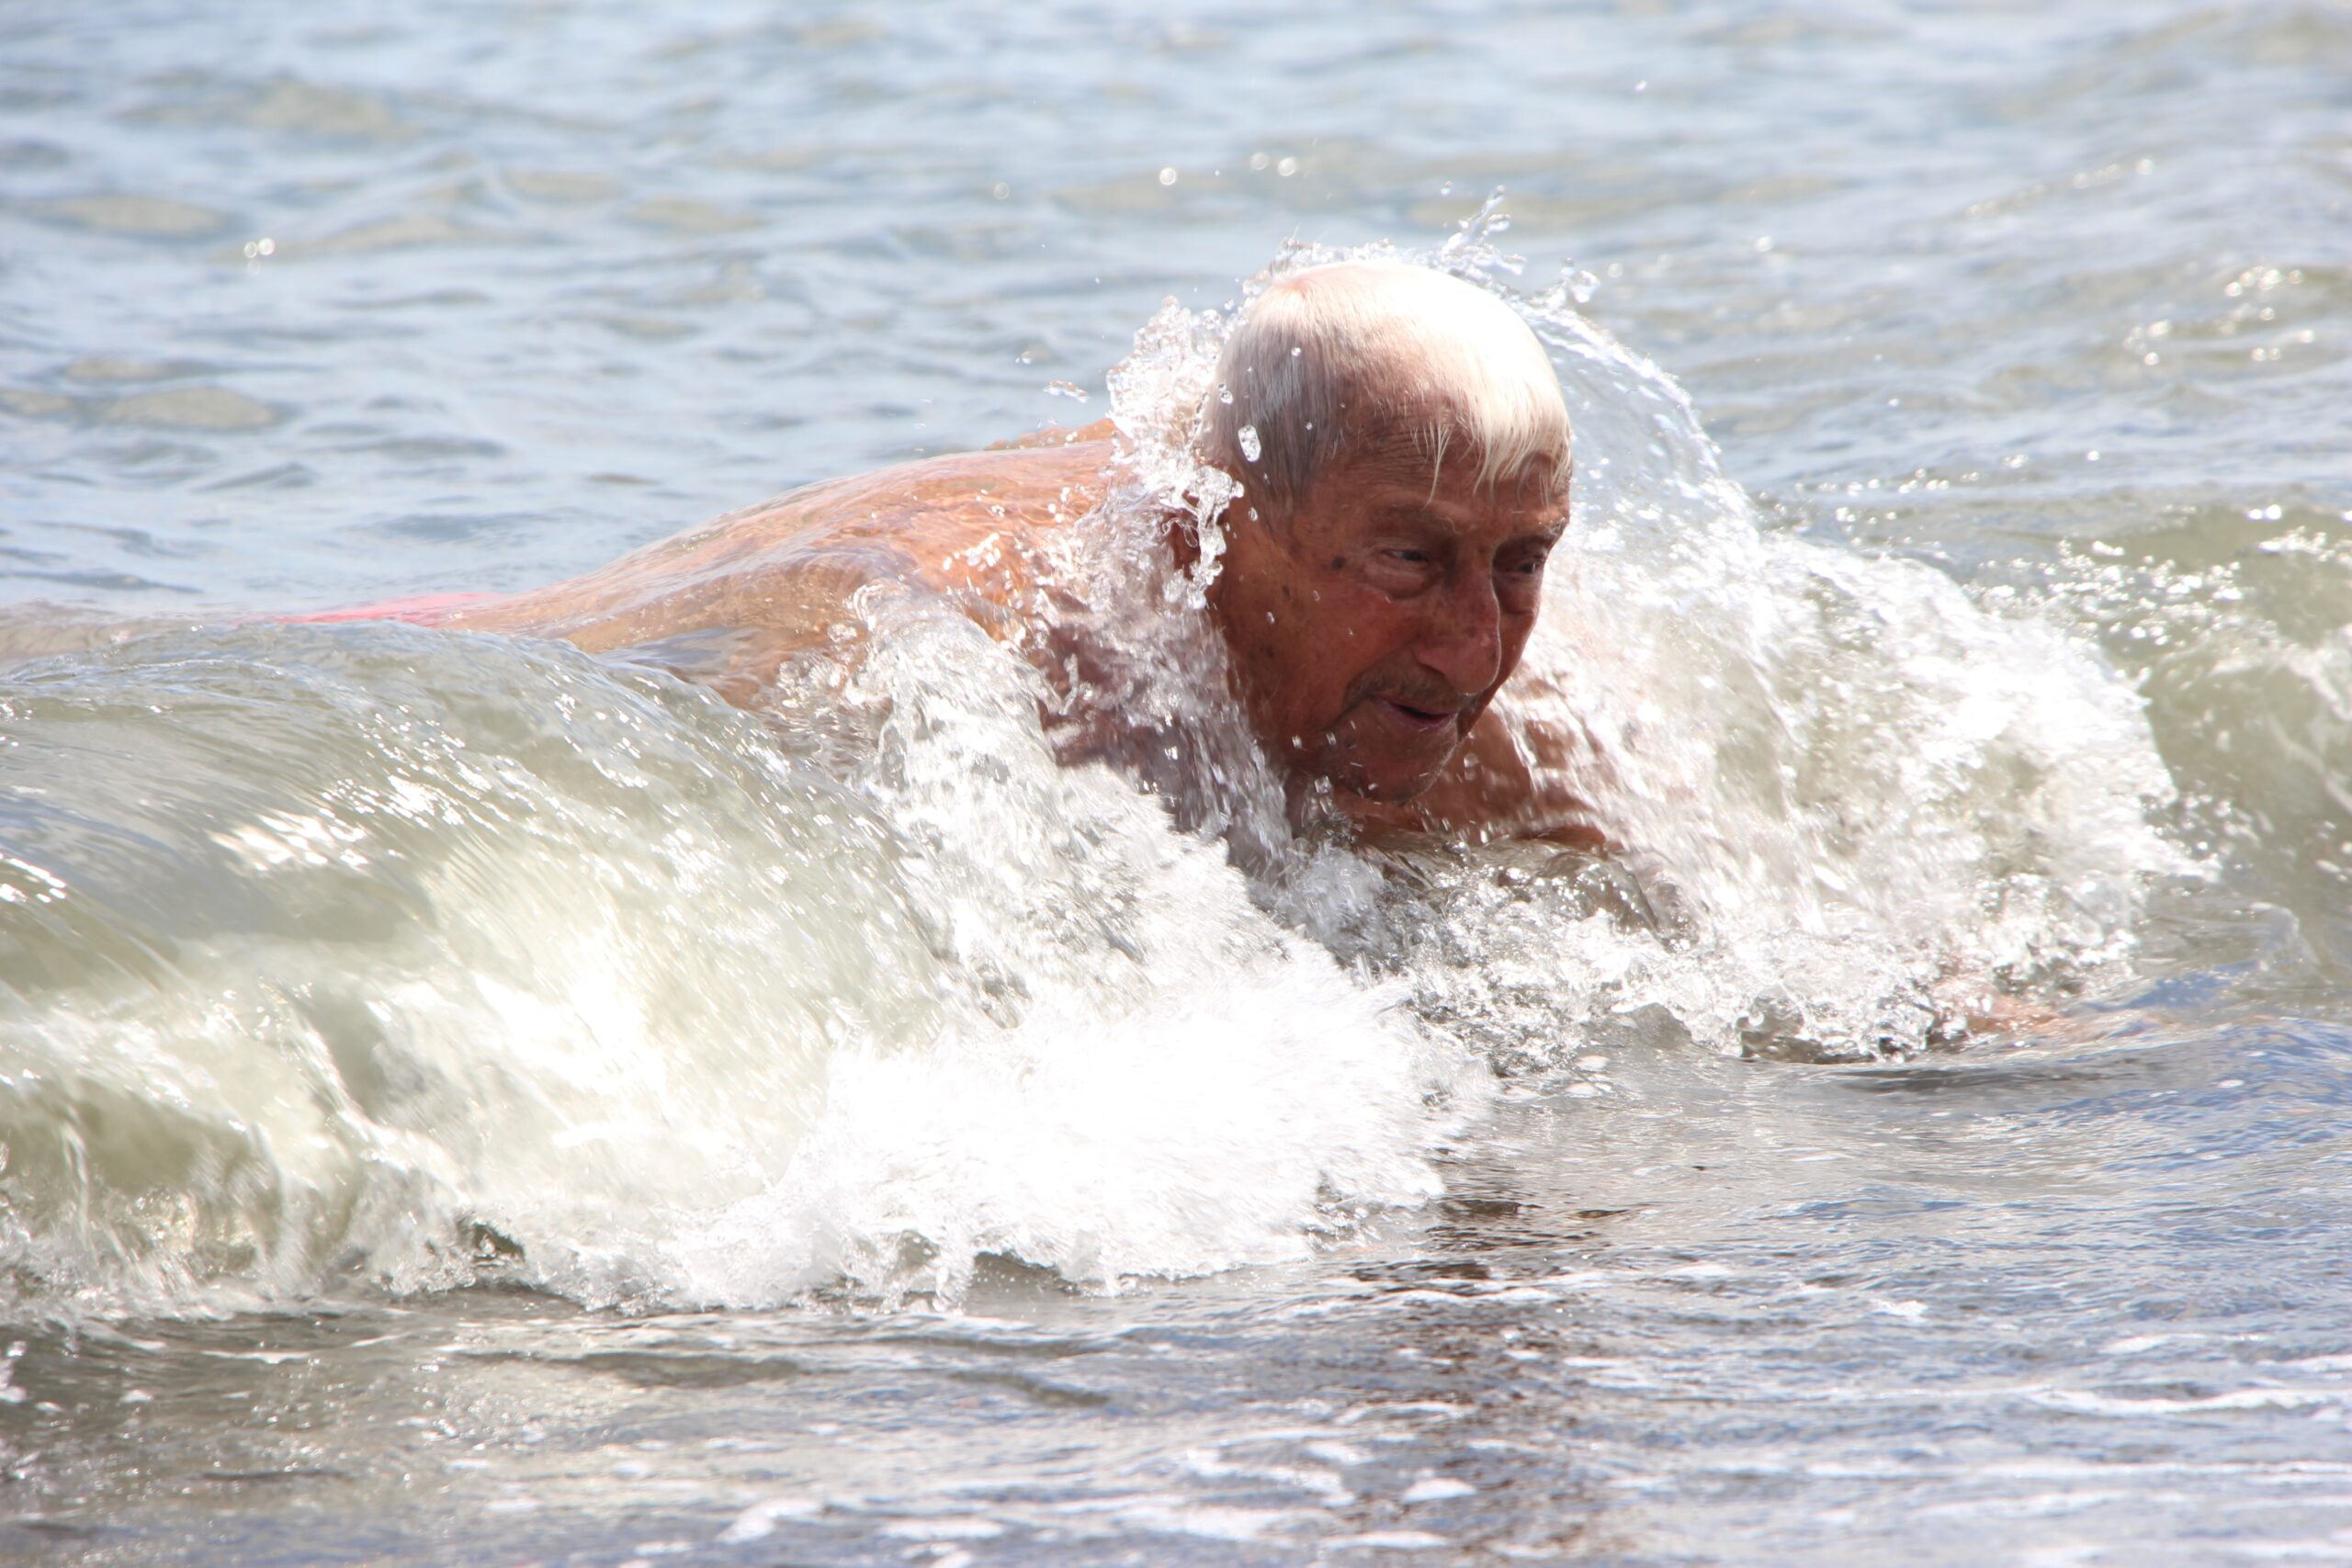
[783, 574]
[1373, 636]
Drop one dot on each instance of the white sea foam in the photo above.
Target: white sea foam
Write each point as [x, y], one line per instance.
[582, 956]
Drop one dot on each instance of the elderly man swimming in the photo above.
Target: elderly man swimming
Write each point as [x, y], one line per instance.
[1401, 449]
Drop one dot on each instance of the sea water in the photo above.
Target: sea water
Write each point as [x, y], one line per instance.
[466, 1100]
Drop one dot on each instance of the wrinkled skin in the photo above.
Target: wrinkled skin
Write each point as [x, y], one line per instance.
[1372, 627]
[1371, 632]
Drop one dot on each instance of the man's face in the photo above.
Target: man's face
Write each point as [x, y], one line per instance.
[1372, 627]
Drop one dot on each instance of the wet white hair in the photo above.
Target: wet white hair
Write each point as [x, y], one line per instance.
[1334, 359]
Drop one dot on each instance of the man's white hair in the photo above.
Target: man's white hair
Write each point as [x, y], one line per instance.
[1344, 359]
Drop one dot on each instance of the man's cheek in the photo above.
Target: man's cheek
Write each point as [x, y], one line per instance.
[1515, 647]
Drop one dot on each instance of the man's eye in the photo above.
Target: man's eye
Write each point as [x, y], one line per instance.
[1410, 558]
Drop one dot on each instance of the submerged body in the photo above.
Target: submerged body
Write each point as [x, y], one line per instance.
[1378, 484]
[979, 531]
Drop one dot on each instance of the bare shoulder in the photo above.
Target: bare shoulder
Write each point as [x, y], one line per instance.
[1056, 436]
[1516, 776]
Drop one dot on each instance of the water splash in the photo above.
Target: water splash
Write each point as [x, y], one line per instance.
[1862, 802]
[366, 953]
[1875, 799]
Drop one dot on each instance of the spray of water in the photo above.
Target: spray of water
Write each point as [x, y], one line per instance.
[1855, 804]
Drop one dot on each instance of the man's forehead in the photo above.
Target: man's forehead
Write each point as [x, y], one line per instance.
[1444, 484]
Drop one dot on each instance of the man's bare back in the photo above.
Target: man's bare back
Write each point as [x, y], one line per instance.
[964, 528]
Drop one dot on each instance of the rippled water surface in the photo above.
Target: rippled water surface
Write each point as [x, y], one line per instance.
[464, 1101]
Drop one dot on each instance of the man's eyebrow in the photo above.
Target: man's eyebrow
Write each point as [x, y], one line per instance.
[1408, 510]
[1414, 511]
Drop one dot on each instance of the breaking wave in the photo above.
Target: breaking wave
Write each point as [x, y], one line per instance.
[368, 956]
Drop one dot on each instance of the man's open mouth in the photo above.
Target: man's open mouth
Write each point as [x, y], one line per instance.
[1417, 717]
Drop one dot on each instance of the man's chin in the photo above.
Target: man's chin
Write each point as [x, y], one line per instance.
[1386, 782]
[1359, 761]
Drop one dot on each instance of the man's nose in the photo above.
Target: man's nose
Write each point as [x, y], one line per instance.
[1464, 642]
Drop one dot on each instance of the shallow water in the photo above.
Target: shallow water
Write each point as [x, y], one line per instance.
[464, 1099]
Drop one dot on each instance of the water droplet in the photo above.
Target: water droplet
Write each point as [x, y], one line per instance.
[1223, 394]
[1167, 177]
[1250, 448]
[1287, 168]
